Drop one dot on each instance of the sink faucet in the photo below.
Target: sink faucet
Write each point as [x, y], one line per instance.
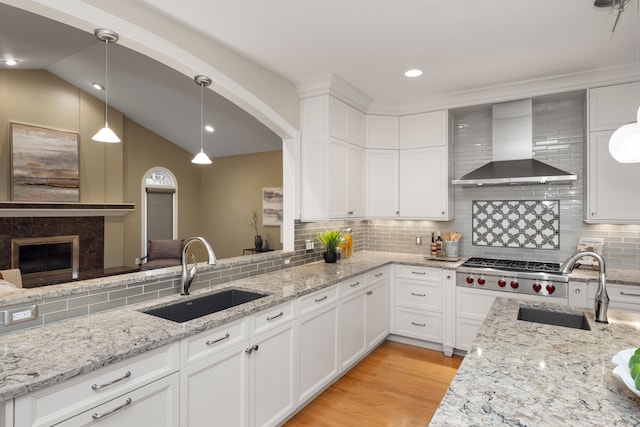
[602, 298]
[189, 275]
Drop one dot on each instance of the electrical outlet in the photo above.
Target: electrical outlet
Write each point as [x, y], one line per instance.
[18, 315]
[418, 240]
[309, 245]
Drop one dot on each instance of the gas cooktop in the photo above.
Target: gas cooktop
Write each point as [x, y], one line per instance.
[513, 265]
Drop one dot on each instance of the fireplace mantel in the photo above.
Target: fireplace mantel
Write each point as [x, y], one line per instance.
[45, 209]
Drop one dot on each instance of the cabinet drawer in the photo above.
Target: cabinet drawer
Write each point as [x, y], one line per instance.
[54, 404]
[377, 275]
[426, 296]
[273, 317]
[623, 293]
[318, 299]
[422, 325]
[213, 341]
[419, 273]
[352, 285]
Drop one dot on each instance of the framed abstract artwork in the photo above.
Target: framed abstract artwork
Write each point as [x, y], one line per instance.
[44, 165]
[272, 206]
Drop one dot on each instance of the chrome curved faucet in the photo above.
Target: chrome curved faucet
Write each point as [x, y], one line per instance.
[601, 300]
[189, 275]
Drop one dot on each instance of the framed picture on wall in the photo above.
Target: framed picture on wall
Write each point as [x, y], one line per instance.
[44, 164]
[272, 206]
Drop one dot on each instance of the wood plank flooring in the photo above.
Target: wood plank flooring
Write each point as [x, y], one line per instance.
[397, 385]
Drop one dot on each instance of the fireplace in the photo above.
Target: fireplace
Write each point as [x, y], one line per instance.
[42, 256]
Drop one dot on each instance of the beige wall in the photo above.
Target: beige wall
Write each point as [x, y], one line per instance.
[213, 201]
[231, 188]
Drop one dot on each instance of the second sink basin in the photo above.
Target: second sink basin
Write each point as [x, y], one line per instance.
[197, 307]
[568, 320]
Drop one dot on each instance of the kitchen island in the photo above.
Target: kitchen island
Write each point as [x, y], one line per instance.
[529, 374]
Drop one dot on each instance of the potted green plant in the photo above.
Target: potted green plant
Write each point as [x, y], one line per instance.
[330, 239]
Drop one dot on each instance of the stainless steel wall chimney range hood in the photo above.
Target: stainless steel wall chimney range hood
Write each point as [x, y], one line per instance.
[512, 151]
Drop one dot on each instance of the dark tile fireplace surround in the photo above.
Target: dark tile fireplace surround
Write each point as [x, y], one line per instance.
[27, 220]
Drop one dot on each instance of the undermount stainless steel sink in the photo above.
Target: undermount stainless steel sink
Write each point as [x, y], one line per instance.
[567, 320]
[190, 309]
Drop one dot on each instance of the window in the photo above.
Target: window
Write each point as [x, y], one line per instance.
[160, 206]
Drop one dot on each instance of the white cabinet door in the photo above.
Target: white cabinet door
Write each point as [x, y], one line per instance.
[424, 130]
[377, 310]
[423, 183]
[578, 294]
[612, 187]
[345, 122]
[273, 375]
[215, 390]
[318, 349]
[382, 132]
[352, 329]
[346, 180]
[382, 183]
[613, 106]
[355, 181]
[151, 405]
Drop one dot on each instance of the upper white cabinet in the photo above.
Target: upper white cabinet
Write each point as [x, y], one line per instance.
[332, 160]
[612, 195]
[411, 181]
[424, 130]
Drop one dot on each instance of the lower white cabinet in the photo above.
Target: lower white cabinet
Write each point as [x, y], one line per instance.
[251, 383]
[472, 306]
[151, 405]
[377, 306]
[104, 390]
[621, 297]
[318, 344]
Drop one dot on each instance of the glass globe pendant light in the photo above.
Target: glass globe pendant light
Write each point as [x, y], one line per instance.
[106, 134]
[624, 144]
[201, 158]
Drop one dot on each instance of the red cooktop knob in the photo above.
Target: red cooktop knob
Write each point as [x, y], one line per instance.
[502, 283]
[551, 289]
[469, 279]
[514, 284]
[481, 281]
[537, 287]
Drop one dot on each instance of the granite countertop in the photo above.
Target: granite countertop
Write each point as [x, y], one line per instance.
[529, 374]
[81, 345]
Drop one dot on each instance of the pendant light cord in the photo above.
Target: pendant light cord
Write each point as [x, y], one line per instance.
[106, 82]
[201, 117]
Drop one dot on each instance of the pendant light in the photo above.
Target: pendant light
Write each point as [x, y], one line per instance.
[106, 134]
[624, 144]
[201, 158]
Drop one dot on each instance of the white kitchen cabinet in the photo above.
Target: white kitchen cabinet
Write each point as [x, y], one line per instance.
[612, 187]
[382, 183]
[578, 294]
[248, 383]
[420, 302]
[611, 192]
[151, 405]
[352, 321]
[424, 184]
[621, 297]
[318, 343]
[100, 389]
[377, 306]
[332, 160]
[472, 306]
[613, 106]
[424, 130]
[382, 132]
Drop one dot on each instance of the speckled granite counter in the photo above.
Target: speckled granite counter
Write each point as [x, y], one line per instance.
[39, 357]
[528, 374]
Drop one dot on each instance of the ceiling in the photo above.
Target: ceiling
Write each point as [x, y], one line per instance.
[461, 46]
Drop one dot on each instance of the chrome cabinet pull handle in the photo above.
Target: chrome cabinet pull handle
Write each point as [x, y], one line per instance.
[419, 272]
[321, 299]
[370, 293]
[418, 324]
[99, 386]
[630, 294]
[252, 349]
[350, 213]
[448, 277]
[97, 416]
[418, 295]
[353, 285]
[577, 291]
[219, 339]
[379, 274]
[276, 316]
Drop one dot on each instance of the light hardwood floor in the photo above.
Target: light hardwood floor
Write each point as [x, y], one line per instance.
[397, 385]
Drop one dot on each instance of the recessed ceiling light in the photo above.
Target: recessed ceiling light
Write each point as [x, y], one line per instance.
[413, 73]
[11, 62]
[97, 86]
[209, 128]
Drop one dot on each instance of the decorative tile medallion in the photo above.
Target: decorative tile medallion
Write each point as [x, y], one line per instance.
[532, 224]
